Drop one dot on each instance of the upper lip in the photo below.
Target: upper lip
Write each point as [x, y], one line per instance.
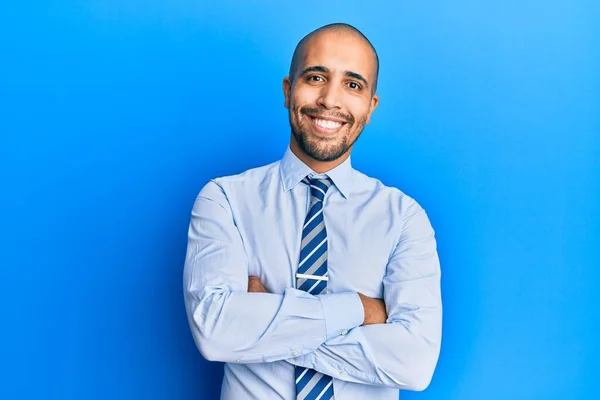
[341, 121]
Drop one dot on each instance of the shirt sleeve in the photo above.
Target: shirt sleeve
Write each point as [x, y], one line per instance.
[231, 325]
[403, 352]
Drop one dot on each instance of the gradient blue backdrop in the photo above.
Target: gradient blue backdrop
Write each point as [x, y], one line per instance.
[115, 113]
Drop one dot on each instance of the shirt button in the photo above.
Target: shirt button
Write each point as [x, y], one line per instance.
[345, 332]
[342, 373]
[296, 353]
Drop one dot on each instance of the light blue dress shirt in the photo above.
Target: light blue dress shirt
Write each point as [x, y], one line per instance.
[380, 243]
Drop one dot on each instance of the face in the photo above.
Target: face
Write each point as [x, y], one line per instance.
[330, 97]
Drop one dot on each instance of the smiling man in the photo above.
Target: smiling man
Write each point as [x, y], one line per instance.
[309, 279]
[330, 93]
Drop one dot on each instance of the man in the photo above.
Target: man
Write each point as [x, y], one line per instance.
[309, 279]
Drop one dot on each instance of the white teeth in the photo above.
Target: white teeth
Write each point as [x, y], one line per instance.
[323, 123]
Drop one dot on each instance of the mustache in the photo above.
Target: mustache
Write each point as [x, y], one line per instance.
[320, 112]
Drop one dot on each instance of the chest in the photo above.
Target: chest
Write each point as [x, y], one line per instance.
[361, 235]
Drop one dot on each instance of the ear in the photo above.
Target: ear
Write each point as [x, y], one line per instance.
[287, 88]
[372, 106]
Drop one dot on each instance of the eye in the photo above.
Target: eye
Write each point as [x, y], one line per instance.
[314, 78]
[354, 85]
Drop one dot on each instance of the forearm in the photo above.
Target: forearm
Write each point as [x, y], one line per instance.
[245, 327]
[391, 354]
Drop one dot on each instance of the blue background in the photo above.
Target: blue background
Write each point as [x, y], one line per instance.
[115, 113]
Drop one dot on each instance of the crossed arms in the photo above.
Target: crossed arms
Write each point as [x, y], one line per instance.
[341, 334]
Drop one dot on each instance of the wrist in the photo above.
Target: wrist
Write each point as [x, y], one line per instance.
[363, 301]
[342, 312]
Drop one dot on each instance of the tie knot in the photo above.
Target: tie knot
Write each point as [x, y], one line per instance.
[318, 186]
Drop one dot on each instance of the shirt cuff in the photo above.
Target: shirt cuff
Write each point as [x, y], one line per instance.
[342, 311]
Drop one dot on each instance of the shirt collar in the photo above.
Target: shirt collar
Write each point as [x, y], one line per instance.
[293, 170]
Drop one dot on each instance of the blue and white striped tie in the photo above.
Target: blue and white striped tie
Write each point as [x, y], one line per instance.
[311, 277]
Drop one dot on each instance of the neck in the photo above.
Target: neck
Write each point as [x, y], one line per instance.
[319, 167]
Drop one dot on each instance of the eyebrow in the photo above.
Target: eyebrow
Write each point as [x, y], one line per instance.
[320, 68]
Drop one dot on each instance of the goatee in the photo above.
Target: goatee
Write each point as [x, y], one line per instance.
[317, 148]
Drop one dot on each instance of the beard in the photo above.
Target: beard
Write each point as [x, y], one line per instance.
[323, 149]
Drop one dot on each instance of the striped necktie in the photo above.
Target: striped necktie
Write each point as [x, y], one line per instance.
[311, 277]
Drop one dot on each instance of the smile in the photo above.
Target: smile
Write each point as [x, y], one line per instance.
[326, 125]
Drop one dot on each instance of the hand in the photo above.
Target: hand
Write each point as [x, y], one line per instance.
[375, 312]
[255, 285]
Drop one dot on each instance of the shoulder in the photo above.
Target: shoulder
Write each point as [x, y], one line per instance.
[248, 180]
[375, 190]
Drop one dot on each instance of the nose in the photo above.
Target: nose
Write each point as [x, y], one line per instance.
[329, 97]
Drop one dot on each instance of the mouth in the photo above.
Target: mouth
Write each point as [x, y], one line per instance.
[327, 126]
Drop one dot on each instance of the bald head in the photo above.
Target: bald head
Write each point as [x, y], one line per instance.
[337, 28]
